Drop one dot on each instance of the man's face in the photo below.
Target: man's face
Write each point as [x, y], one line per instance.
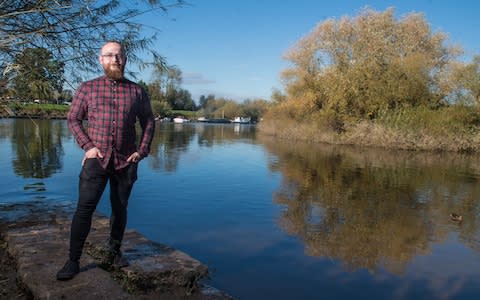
[113, 60]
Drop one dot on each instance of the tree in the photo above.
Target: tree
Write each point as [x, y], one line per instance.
[74, 30]
[254, 109]
[183, 100]
[356, 66]
[39, 76]
[277, 96]
[160, 105]
[203, 101]
[166, 87]
[66, 95]
[468, 77]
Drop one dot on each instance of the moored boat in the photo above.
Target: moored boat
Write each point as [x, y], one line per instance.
[241, 120]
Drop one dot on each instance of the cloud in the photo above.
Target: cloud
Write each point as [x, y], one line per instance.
[195, 78]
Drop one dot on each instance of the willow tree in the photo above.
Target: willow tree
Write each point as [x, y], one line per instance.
[74, 30]
[357, 65]
[39, 77]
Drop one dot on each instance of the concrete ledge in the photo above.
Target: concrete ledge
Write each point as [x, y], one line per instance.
[37, 236]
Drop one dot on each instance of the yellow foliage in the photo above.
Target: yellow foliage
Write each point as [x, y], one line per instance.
[358, 65]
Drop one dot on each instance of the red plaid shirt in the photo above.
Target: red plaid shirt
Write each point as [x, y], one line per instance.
[112, 108]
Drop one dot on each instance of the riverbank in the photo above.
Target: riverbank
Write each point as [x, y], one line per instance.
[454, 129]
[34, 239]
[34, 111]
[372, 134]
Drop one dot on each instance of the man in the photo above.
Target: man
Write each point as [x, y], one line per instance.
[112, 105]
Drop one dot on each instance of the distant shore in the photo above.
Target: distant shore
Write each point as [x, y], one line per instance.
[34, 111]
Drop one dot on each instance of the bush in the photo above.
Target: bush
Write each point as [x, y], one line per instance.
[454, 119]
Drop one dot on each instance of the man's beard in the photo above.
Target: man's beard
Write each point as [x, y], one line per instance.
[113, 73]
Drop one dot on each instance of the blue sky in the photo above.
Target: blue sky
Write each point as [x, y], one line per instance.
[234, 49]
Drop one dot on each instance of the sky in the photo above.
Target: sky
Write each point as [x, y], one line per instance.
[234, 49]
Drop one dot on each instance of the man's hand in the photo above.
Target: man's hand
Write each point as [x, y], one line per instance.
[134, 158]
[92, 153]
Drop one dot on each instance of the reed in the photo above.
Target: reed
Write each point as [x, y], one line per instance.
[453, 128]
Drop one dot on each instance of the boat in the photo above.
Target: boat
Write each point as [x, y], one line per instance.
[180, 120]
[242, 120]
[219, 121]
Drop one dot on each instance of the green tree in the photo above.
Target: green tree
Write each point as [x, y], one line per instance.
[160, 106]
[183, 100]
[205, 100]
[202, 101]
[74, 30]
[166, 88]
[254, 108]
[67, 95]
[39, 76]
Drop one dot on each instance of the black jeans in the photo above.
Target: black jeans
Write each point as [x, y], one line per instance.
[93, 180]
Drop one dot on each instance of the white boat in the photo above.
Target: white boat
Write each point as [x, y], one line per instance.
[241, 120]
[180, 120]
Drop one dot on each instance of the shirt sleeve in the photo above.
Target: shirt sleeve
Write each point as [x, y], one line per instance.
[76, 115]
[147, 123]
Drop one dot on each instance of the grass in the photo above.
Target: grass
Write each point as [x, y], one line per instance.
[453, 128]
[39, 110]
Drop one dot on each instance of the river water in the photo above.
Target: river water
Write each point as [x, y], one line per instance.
[276, 220]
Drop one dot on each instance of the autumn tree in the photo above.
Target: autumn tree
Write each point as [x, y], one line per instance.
[357, 65]
[468, 79]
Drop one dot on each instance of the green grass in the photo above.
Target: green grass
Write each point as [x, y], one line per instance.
[39, 110]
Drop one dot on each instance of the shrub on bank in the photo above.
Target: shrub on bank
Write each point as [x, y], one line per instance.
[452, 128]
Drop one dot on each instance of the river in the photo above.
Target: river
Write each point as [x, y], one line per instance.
[281, 220]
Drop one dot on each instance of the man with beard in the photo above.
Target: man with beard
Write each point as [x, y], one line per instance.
[112, 104]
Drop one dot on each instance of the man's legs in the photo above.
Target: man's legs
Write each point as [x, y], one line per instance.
[93, 179]
[121, 183]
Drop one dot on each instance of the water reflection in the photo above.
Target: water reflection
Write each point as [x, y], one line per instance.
[4, 130]
[374, 209]
[168, 144]
[212, 134]
[37, 145]
[172, 140]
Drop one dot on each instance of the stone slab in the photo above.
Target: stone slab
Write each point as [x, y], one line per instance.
[37, 236]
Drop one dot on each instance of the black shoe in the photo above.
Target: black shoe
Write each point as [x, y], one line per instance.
[119, 261]
[69, 270]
